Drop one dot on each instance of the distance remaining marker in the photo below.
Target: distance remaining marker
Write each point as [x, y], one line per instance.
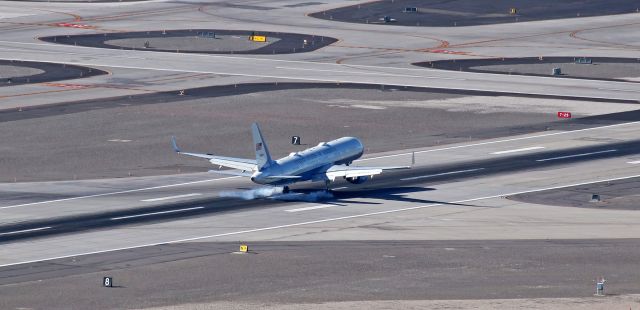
[171, 197]
[518, 150]
[577, 155]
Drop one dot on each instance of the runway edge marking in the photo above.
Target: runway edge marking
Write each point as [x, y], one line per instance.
[319, 221]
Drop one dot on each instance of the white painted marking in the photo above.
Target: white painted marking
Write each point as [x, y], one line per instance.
[502, 141]
[322, 221]
[618, 89]
[634, 162]
[577, 155]
[24, 231]
[339, 188]
[119, 140]
[310, 208]
[154, 213]
[518, 150]
[118, 192]
[372, 73]
[171, 197]
[441, 174]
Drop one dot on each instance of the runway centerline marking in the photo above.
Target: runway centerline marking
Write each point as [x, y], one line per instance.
[154, 213]
[171, 197]
[24, 231]
[339, 188]
[116, 193]
[518, 150]
[577, 155]
[323, 220]
[310, 208]
[634, 162]
[441, 174]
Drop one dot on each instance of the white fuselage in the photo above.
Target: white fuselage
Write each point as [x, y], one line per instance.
[309, 164]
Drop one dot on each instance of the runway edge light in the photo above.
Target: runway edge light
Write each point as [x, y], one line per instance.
[244, 248]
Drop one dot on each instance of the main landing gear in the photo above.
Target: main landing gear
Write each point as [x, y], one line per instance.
[286, 190]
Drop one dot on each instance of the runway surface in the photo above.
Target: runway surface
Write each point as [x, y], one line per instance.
[496, 205]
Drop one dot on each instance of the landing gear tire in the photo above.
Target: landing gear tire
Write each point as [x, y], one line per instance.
[286, 190]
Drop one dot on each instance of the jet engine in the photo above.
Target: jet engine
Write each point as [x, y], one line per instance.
[358, 180]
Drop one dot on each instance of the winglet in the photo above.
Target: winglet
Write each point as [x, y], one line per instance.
[174, 144]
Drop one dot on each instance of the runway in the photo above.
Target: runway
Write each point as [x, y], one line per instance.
[496, 168]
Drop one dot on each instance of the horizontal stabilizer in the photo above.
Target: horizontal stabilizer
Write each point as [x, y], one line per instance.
[230, 162]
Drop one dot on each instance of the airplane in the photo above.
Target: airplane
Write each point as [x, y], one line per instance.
[325, 162]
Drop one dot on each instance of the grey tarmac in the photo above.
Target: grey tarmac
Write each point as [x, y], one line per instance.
[444, 230]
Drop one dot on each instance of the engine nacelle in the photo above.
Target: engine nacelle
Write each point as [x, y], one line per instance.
[357, 180]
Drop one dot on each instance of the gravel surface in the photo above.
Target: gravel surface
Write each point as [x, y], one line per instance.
[17, 71]
[194, 41]
[222, 43]
[26, 72]
[291, 273]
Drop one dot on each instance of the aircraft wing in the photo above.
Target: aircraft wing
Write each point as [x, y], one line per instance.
[230, 162]
[354, 171]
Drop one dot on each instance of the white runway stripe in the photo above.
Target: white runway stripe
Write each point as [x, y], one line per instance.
[171, 197]
[24, 231]
[310, 208]
[518, 150]
[577, 155]
[154, 213]
[441, 174]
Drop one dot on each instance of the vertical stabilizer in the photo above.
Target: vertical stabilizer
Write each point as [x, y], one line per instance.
[262, 152]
